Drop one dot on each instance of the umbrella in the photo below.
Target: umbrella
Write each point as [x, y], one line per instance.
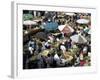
[27, 16]
[29, 22]
[41, 35]
[49, 26]
[61, 27]
[65, 29]
[70, 14]
[82, 21]
[77, 38]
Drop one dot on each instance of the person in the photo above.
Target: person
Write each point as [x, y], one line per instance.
[59, 22]
[56, 57]
[81, 56]
[26, 57]
[77, 60]
[63, 48]
[69, 43]
[39, 47]
[74, 32]
[40, 62]
[85, 51]
[43, 45]
[31, 42]
[66, 44]
[47, 44]
[32, 46]
[87, 63]
[30, 49]
[51, 38]
[49, 61]
[58, 60]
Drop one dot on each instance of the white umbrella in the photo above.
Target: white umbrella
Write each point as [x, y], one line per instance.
[61, 27]
[70, 14]
[29, 22]
[78, 38]
[82, 21]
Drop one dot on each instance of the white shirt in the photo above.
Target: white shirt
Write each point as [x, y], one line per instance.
[31, 50]
[62, 47]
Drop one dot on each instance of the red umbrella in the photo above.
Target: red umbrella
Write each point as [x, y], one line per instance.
[65, 29]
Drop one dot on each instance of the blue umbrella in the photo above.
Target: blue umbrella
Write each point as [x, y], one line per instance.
[51, 26]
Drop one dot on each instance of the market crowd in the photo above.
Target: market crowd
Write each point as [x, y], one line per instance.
[57, 39]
